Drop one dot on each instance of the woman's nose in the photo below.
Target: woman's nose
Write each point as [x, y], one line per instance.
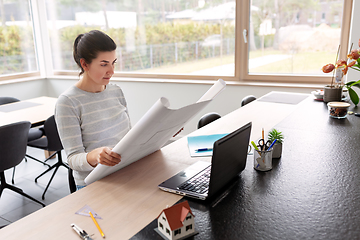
[111, 69]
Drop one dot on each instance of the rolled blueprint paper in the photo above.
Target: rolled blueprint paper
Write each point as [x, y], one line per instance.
[153, 130]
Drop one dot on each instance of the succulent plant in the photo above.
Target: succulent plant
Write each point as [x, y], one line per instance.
[275, 134]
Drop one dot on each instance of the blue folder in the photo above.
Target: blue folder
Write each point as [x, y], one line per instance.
[202, 142]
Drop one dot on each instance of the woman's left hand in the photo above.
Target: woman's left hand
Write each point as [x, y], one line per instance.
[103, 155]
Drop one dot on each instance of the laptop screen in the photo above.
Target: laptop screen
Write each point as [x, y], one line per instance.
[229, 157]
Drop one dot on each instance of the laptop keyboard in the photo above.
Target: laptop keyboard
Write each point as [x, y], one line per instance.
[199, 183]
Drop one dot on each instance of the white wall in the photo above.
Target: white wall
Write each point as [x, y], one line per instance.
[141, 96]
[354, 37]
[24, 89]
[354, 75]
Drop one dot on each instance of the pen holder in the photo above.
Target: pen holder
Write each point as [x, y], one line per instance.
[263, 160]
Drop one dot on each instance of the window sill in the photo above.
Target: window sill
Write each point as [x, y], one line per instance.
[177, 81]
[21, 79]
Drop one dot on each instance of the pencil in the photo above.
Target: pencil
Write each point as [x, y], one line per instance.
[97, 225]
[263, 136]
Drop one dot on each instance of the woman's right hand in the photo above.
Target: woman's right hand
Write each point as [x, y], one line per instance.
[103, 155]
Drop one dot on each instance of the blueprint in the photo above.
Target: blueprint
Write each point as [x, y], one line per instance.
[153, 130]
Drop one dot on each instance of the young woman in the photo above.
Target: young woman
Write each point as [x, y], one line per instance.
[92, 115]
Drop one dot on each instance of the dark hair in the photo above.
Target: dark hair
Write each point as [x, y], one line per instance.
[88, 45]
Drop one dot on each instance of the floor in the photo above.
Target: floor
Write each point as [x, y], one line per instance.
[14, 206]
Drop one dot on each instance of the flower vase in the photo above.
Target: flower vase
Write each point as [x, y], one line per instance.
[332, 94]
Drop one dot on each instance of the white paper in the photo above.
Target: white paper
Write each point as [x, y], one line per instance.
[153, 130]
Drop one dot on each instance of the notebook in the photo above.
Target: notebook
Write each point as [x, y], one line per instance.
[203, 180]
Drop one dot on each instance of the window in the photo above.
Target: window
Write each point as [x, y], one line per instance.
[17, 49]
[238, 40]
[154, 37]
[188, 227]
[168, 231]
[177, 231]
[188, 217]
[298, 39]
[162, 226]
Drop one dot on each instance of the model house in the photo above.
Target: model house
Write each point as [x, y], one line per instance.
[177, 221]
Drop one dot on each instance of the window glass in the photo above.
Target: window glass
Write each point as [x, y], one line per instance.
[191, 37]
[17, 50]
[293, 37]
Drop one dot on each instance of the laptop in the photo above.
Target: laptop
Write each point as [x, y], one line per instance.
[203, 180]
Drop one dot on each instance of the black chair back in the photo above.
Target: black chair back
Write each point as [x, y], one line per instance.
[208, 118]
[6, 100]
[52, 134]
[13, 143]
[247, 99]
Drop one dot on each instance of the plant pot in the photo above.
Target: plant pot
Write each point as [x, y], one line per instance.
[277, 150]
[332, 94]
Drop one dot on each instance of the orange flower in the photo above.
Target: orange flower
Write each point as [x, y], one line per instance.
[354, 54]
[345, 69]
[328, 68]
[342, 65]
[351, 64]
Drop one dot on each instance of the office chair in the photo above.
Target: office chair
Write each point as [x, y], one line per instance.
[13, 141]
[247, 99]
[72, 185]
[51, 142]
[6, 100]
[208, 118]
[34, 133]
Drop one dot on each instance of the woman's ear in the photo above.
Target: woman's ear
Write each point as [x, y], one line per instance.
[84, 65]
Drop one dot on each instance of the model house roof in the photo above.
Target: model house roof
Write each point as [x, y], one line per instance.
[176, 214]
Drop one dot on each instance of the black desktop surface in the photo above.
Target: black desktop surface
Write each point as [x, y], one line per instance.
[312, 192]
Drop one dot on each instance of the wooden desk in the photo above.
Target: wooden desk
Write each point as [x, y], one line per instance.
[129, 199]
[35, 110]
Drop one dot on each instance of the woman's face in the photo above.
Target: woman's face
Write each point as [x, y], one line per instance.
[101, 69]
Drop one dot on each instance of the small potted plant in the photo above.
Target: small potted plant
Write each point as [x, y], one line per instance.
[277, 148]
[333, 92]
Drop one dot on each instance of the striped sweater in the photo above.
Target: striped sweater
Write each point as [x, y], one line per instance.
[87, 121]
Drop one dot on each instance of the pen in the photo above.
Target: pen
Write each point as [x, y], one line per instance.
[203, 149]
[97, 225]
[272, 144]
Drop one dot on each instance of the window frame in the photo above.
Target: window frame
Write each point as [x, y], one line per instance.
[241, 76]
[27, 74]
[241, 72]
